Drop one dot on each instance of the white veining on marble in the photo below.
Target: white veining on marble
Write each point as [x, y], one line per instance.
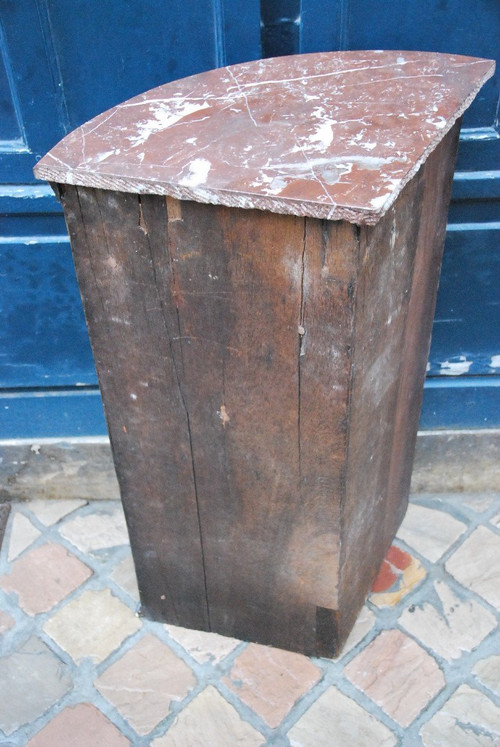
[330, 135]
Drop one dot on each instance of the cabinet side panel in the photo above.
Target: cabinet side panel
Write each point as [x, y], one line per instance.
[384, 285]
[395, 306]
[132, 328]
[438, 176]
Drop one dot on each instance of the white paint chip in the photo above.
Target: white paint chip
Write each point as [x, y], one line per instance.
[198, 173]
[455, 368]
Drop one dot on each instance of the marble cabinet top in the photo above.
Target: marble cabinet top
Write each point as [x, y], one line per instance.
[331, 135]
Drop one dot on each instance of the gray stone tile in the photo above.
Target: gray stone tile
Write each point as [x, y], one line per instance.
[334, 719]
[476, 564]
[22, 534]
[50, 512]
[448, 625]
[100, 530]
[93, 624]
[31, 680]
[428, 531]
[488, 672]
[467, 719]
[124, 576]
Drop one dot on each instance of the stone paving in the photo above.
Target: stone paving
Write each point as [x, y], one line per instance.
[79, 668]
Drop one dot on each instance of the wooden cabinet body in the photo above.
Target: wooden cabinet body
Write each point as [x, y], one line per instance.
[261, 355]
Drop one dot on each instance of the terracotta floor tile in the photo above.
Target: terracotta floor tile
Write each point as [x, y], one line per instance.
[467, 719]
[44, 576]
[22, 534]
[31, 680]
[476, 564]
[209, 721]
[82, 725]
[100, 530]
[336, 720]
[124, 576]
[488, 672]
[270, 681]
[93, 624]
[399, 574]
[49, 512]
[145, 681]
[397, 674]
[448, 625]
[203, 646]
[428, 531]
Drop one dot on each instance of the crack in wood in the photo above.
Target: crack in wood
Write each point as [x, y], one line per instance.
[170, 339]
[301, 347]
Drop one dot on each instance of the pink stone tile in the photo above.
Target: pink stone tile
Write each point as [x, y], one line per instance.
[397, 674]
[429, 531]
[44, 576]
[145, 681]
[270, 681]
[222, 726]
[82, 725]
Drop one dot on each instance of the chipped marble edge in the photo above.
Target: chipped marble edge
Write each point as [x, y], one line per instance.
[248, 200]
[439, 136]
[227, 198]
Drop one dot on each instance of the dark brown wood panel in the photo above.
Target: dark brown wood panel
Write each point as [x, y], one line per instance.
[382, 298]
[396, 299]
[437, 176]
[247, 283]
[132, 328]
[329, 274]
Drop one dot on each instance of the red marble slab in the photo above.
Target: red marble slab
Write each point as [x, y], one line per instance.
[328, 135]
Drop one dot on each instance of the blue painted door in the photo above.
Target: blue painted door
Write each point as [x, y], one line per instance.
[62, 62]
[463, 383]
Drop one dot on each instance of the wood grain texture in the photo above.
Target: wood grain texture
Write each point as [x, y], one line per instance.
[223, 344]
[131, 330]
[396, 294]
[262, 376]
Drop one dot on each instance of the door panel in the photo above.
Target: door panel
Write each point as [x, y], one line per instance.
[465, 352]
[62, 62]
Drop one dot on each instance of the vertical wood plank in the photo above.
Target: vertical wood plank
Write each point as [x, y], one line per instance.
[330, 261]
[395, 307]
[438, 177]
[132, 332]
[238, 281]
[382, 297]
